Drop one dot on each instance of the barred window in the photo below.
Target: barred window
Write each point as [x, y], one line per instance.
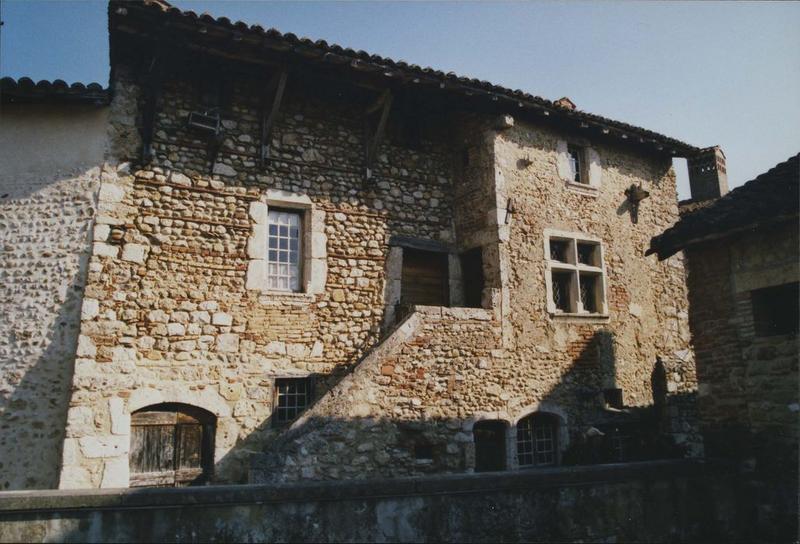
[537, 440]
[575, 274]
[292, 397]
[284, 250]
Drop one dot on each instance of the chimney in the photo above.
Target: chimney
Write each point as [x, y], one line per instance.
[708, 177]
[566, 103]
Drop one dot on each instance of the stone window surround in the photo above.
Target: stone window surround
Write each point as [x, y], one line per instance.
[562, 438]
[591, 167]
[314, 243]
[578, 237]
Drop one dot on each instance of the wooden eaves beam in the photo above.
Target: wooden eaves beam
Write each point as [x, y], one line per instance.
[268, 116]
[374, 137]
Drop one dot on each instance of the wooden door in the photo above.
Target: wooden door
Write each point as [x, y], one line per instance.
[169, 448]
[425, 278]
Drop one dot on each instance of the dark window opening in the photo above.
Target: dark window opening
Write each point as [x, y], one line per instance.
[425, 278]
[559, 250]
[490, 445]
[613, 398]
[561, 291]
[589, 291]
[537, 440]
[423, 451]
[472, 277]
[587, 254]
[775, 309]
[292, 397]
[576, 163]
[172, 445]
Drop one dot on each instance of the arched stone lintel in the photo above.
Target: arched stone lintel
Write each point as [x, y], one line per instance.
[207, 399]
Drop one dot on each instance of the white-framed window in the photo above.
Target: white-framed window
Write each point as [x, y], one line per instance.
[284, 249]
[287, 247]
[579, 165]
[574, 274]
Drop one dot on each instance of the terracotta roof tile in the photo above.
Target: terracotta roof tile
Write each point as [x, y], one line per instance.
[771, 197]
[25, 90]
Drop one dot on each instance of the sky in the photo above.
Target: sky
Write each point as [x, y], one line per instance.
[707, 73]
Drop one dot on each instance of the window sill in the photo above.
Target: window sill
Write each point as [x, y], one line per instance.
[286, 296]
[582, 188]
[565, 316]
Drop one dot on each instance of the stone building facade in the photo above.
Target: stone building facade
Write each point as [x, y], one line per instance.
[47, 202]
[744, 268]
[320, 264]
[743, 274]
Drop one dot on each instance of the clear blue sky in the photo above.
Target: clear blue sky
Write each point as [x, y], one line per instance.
[704, 72]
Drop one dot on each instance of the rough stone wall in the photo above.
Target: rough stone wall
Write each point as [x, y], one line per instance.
[48, 195]
[748, 391]
[564, 357]
[170, 315]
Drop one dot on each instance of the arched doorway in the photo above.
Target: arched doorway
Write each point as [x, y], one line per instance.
[172, 445]
[490, 445]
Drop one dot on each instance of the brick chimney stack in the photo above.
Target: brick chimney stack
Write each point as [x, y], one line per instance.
[708, 176]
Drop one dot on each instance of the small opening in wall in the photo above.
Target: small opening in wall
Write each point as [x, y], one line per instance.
[423, 451]
[775, 309]
[472, 277]
[613, 398]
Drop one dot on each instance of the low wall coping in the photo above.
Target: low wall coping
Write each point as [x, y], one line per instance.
[102, 499]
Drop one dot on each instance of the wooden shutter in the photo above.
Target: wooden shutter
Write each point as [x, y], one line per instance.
[424, 279]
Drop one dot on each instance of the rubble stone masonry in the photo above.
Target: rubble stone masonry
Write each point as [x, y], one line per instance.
[176, 310]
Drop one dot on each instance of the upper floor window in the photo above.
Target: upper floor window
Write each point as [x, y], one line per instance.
[575, 155]
[537, 440]
[292, 397]
[775, 309]
[575, 274]
[284, 249]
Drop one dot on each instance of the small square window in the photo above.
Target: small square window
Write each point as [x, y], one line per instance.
[562, 291]
[588, 254]
[292, 397]
[559, 250]
[775, 309]
[423, 451]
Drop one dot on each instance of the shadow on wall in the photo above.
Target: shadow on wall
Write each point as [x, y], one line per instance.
[45, 236]
[590, 425]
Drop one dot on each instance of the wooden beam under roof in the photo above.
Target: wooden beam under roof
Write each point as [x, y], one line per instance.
[268, 115]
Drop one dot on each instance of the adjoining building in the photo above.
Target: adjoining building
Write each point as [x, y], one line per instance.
[743, 257]
[309, 262]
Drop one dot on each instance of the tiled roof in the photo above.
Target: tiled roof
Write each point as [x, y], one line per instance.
[361, 61]
[25, 90]
[771, 197]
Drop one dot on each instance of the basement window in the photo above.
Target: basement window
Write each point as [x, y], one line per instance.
[775, 309]
[423, 452]
[292, 397]
[575, 274]
[537, 440]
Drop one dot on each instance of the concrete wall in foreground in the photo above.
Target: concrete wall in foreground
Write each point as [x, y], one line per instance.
[678, 501]
[50, 171]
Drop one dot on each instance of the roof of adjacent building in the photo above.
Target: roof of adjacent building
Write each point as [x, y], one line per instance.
[770, 198]
[393, 72]
[26, 91]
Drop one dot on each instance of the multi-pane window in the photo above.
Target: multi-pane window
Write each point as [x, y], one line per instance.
[284, 250]
[575, 155]
[292, 397]
[575, 276]
[537, 440]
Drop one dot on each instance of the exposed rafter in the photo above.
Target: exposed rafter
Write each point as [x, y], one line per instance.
[375, 135]
[269, 111]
